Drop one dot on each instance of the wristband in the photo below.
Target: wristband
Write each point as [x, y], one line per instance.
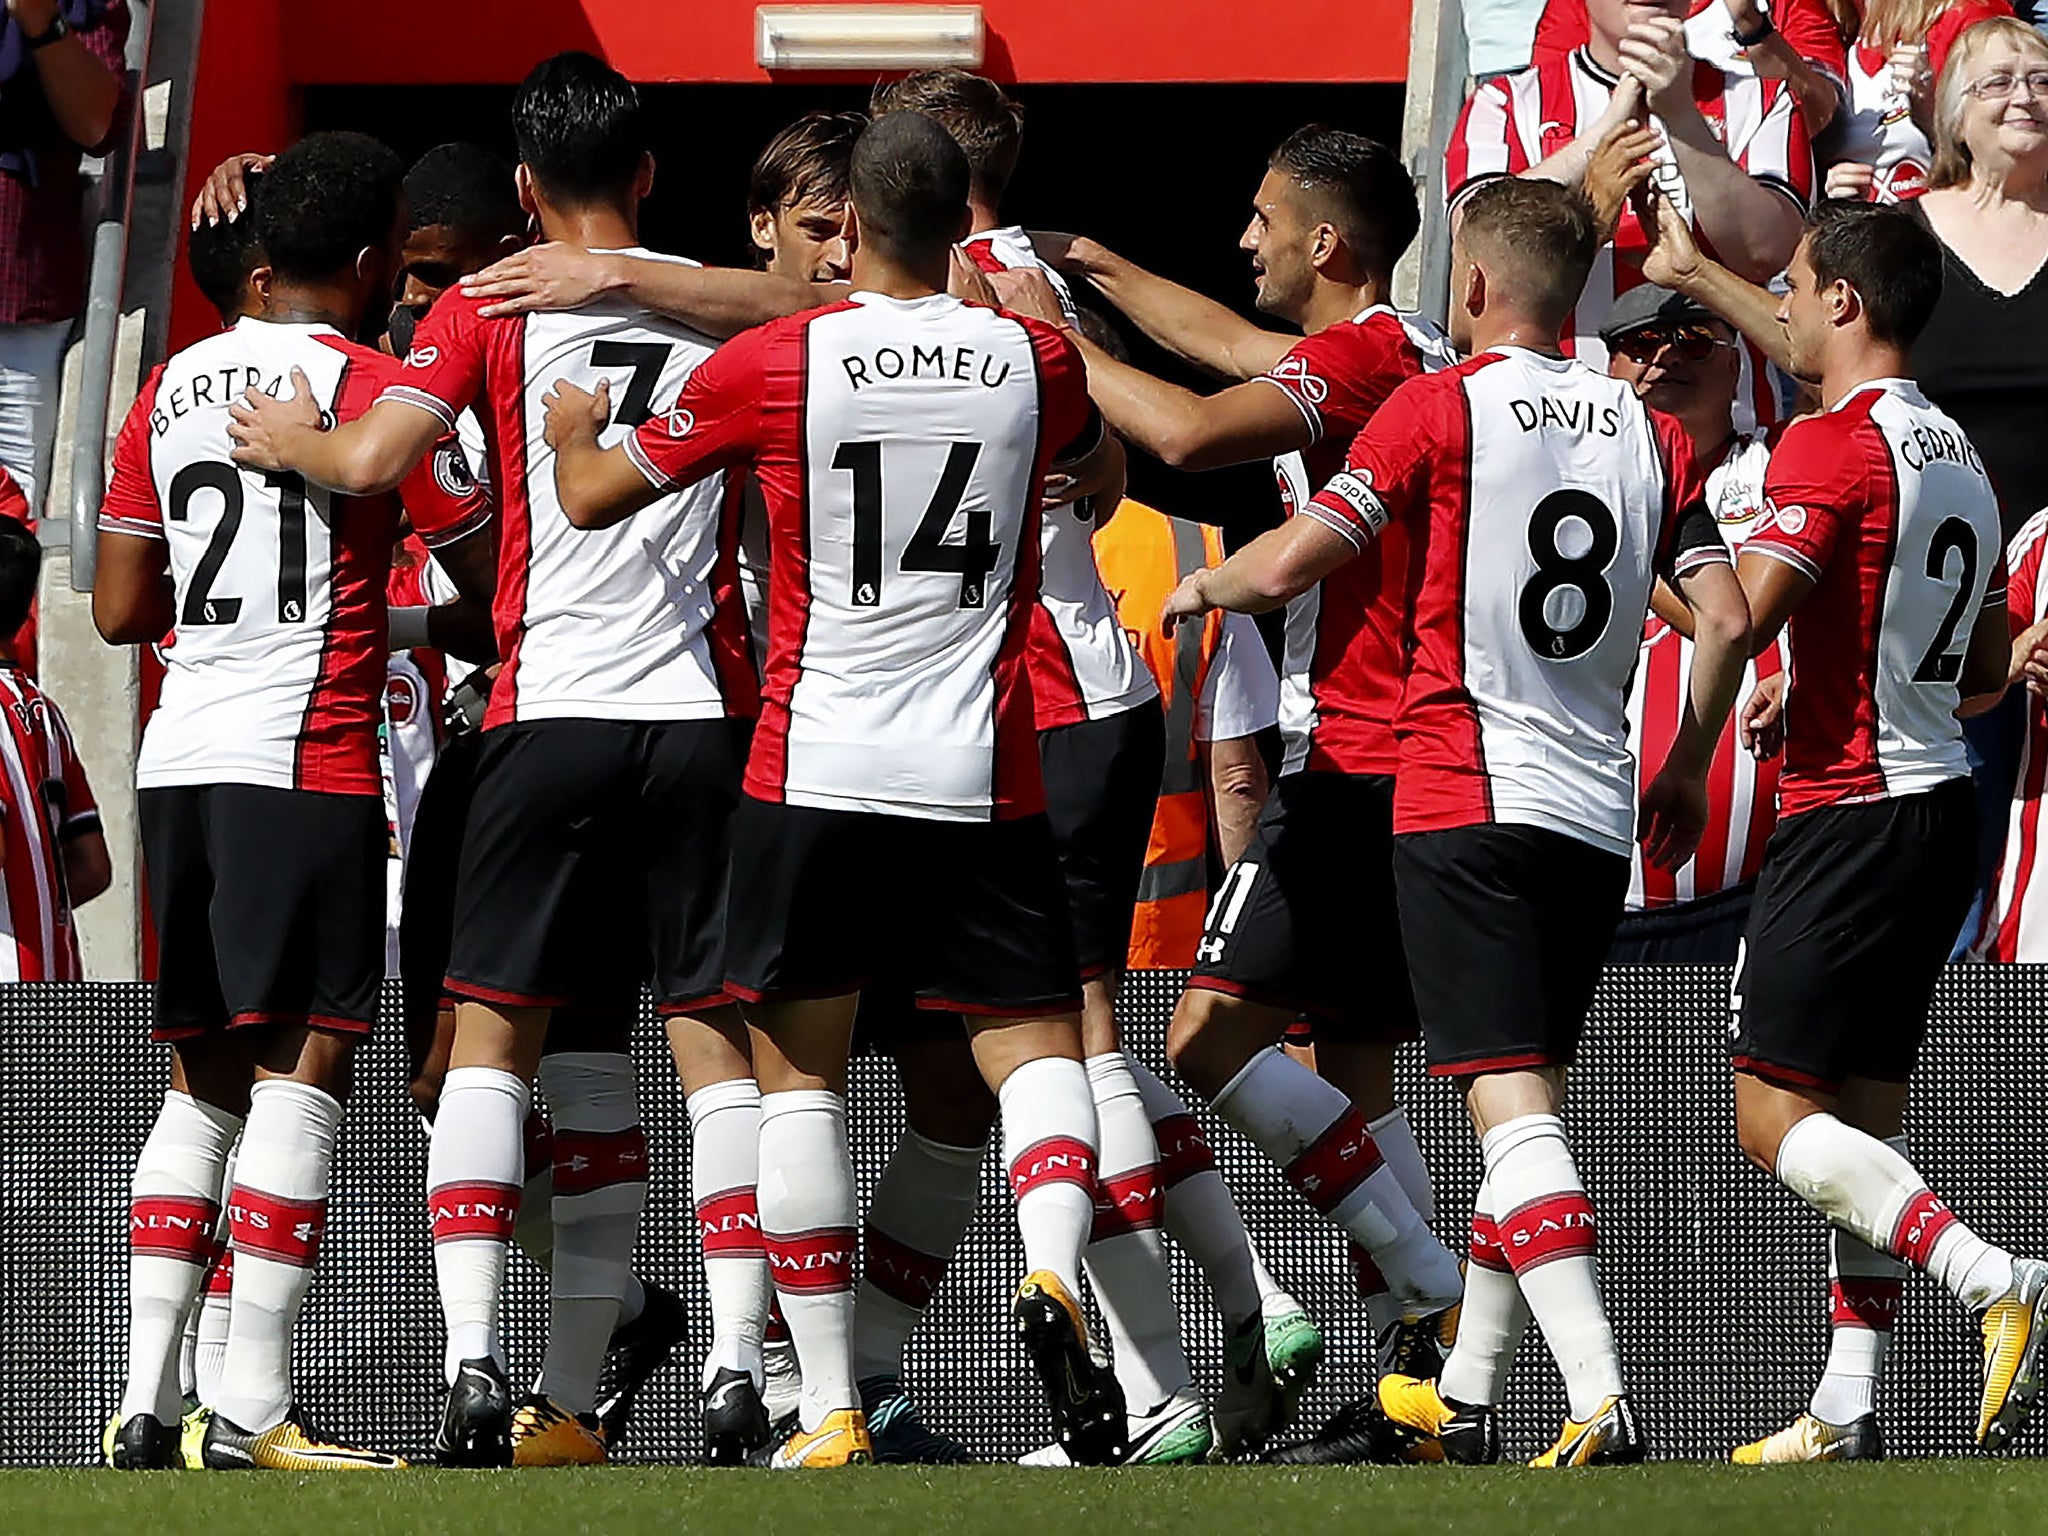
[59, 29]
[409, 627]
[1764, 28]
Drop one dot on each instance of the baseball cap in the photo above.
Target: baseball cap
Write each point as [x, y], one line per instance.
[1646, 304]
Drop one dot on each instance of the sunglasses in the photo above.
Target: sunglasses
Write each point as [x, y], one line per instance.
[1691, 343]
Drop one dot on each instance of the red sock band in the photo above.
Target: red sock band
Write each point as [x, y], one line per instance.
[900, 1272]
[1336, 1162]
[1184, 1149]
[1487, 1251]
[271, 1227]
[1558, 1226]
[220, 1279]
[1055, 1160]
[812, 1263]
[173, 1227]
[729, 1224]
[591, 1160]
[462, 1212]
[1872, 1304]
[538, 1140]
[1923, 1221]
[1127, 1203]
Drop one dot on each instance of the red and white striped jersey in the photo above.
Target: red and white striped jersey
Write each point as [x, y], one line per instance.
[45, 802]
[643, 621]
[2016, 916]
[1884, 504]
[901, 447]
[1876, 124]
[1709, 33]
[1518, 121]
[274, 672]
[1545, 497]
[415, 689]
[1344, 657]
[1083, 665]
[1742, 793]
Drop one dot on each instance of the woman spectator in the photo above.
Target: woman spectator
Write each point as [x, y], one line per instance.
[1882, 153]
[1984, 356]
[63, 93]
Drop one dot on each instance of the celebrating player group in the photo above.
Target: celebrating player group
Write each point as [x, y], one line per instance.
[804, 707]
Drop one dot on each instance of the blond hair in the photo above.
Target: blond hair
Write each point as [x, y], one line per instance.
[1952, 167]
[1888, 23]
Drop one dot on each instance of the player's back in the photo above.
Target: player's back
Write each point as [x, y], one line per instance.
[47, 802]
[1551, 500]
[274, 672]
[1883, 501]
[903, 494]
[642, 621]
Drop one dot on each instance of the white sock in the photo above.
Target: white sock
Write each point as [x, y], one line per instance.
[725, 1167]
[278, 1214]
[1492, 1320]
[1125, 1258]
[1395, 1138]
[534, 1228]
[1546, 1225]
[1321, 1143]
[920, 1211]
[215, 1300]
[600, 1161]
[1866, 1291]
[1274, 1298]
[1869, 1190]
[1049, 1147]
[475, 1166]
[1200, 1214]
[173, 1209]
[808, 1207]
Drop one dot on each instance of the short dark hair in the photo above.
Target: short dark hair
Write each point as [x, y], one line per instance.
[21, 559]
[908, 180]
[1540, 239]
[326, 198]
[984, 121]
[806, 160]
[1361, 188]
[581, 129]
[221, 256]
[1101, 330]
[1888, 256]
[465, 188]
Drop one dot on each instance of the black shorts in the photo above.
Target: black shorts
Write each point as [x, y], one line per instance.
[1855, 912]
[967, 915]
[1101, 791]
[1507, 928]
[890, 1020]
[269, 907]
[595, 858]
[1306, 919]
[1707, 931]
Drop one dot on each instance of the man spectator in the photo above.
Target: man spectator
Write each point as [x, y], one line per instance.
[1683, 359]
[63, 94]
[1734, 157]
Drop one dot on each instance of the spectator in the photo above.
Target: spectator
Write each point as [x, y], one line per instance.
[1801, 42]
[63, 93]
[1733, 159]
[1682, 358]
[1882, 152]
[1221, 691]
[53, 856]
[1984, 355]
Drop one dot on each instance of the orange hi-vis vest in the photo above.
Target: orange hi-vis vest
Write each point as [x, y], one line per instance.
[1143, 555]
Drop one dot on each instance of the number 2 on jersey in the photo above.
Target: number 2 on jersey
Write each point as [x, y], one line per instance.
[225, 481]
[1942, 664]
[971, 559]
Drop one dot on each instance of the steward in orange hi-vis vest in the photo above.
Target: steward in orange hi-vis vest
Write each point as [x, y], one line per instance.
[1214, 687]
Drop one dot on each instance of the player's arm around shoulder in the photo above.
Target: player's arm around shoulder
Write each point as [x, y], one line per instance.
[717, 301]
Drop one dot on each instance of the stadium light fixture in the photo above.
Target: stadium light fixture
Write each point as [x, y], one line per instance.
[868, 36]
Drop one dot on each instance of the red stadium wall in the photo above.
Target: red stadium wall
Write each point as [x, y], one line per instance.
[256, 55]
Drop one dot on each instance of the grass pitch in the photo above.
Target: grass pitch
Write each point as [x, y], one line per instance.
[1975, 1497]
